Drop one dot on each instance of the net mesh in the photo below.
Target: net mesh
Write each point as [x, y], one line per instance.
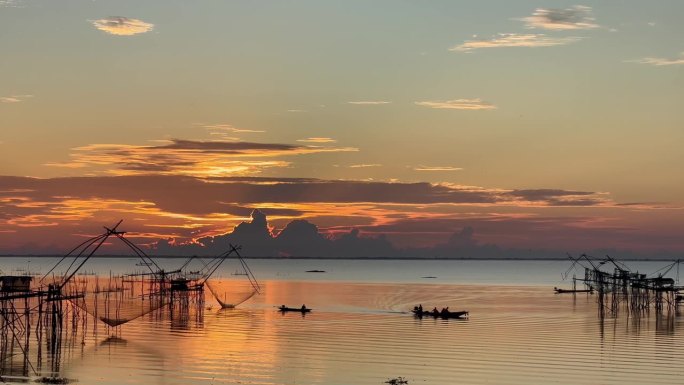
[116, 301]
[230, 293]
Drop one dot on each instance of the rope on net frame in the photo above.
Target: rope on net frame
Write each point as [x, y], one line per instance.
[210, 268]
[124, 310]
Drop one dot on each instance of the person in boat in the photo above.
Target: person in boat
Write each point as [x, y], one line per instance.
[415, 310]
[445, 311]
[283, 307]
[303, 307]
[420, 308]
[435, 312]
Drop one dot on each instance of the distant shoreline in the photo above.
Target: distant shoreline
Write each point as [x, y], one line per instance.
[659, 259]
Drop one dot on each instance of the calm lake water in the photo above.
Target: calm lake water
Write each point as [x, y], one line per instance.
[360, 331]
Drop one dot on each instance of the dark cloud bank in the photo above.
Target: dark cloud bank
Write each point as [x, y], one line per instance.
[302, 239]
[182, 194]
[38, 203]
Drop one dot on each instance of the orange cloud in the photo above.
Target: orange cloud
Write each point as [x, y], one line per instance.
[122, 26]
[187, 157]
[317, 140]
[459, 104]
[188, 208]
[14, 98]
[515, 40]
[437, 168]
[576, 17]
[369, 102]
[659, 61]
[229, 128]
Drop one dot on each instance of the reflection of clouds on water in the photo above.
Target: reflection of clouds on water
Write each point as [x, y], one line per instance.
[359, 332]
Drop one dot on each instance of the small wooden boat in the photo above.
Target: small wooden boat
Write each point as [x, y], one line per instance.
[444, 315]
[294, 309]
[563, 291]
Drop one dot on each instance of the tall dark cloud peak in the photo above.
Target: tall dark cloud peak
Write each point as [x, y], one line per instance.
[299, 238]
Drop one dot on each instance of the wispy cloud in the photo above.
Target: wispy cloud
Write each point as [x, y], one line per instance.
[189, 157]
[296, 110]
[223, 136]
[13, 4]
[122, 26]
[14, 98]
[365, 165]
[575, 17]
[515, 40]
[557, 197]
[229, 128]
[317, 140]
[437, 168]
[458, 104]
[369, 102]
[255, 190]
[659, 61]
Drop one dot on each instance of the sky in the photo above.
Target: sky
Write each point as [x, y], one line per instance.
[534, 126]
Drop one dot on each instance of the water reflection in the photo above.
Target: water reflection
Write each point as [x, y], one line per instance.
[364, 333]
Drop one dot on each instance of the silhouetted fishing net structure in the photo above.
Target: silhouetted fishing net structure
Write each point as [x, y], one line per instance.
[230, 293]
[120, 299]
[117, 300]
[53, 307]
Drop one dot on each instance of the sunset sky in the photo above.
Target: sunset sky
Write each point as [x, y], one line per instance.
[541, 125]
